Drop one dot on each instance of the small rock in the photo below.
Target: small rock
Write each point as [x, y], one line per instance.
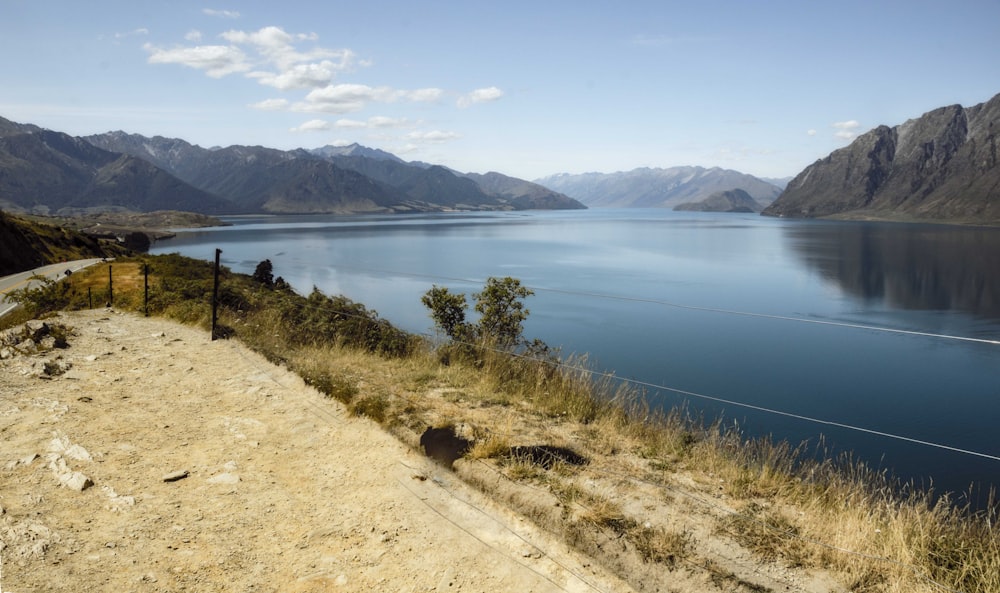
[224, 478]
[174, 476]
[75, 481]
[61, 445]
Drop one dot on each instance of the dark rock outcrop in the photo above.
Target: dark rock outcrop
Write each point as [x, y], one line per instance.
[941, 166]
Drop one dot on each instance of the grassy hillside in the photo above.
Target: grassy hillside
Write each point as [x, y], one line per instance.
[25, 245]
[657, 498]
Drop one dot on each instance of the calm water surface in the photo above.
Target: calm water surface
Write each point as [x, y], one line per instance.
[766, 312]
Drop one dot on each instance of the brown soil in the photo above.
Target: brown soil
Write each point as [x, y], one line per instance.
[272, 487]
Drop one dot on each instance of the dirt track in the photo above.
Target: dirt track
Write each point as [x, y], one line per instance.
[283, 491]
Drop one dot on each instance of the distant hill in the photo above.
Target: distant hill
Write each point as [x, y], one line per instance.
[942, 166]
[524, 195]
[734, 200]
[25, 245]
[657, 188]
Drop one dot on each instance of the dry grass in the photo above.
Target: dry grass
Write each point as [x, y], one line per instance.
[833, 515]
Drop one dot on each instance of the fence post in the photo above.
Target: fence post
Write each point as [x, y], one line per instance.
[215, 295]
[145, 291]
[111, 288]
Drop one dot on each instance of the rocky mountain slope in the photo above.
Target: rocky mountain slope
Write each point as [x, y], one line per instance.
[657, 188]
[734, 200]
[941, 166]
[44, 171]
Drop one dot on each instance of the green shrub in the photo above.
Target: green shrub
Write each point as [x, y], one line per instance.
[371, 406]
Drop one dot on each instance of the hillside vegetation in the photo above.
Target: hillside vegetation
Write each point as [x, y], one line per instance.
[653, 496]
[25, 245]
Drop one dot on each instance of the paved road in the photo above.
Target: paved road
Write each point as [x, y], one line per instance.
[53, 272]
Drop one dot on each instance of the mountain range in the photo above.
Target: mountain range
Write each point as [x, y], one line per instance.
[656, 187]
[941, 166]
[49, 172]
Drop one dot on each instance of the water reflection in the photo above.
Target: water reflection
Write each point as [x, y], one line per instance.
[920, 267]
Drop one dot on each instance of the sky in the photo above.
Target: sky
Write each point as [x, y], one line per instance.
[528, 89]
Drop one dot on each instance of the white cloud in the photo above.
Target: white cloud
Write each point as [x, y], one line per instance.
[810, 132]
[133, 33]
[270, 105]
[288, 61]
[846, 129]
[299, 76]
[313, 125]
[387, 122]
[373, 122]
[483, 95]
[216, 60]
[342, 98]
[226, 14]
[423, 95]
[350, 123]
[277, 49]
[348, 98]
[432, 137]
[268, 55]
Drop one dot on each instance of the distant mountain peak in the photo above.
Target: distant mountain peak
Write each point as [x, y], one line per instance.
[353, 149]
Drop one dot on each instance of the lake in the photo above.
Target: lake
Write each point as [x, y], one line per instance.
[888, 328]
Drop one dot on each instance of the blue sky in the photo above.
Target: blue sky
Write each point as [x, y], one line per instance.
[524, 88]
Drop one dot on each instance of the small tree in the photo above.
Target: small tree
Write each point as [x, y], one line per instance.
[264, 274]
[448, 312]
[502, 310]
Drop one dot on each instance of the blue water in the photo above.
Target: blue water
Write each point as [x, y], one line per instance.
[722, 306]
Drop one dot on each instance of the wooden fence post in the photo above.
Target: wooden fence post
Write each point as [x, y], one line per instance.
[215, 295]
